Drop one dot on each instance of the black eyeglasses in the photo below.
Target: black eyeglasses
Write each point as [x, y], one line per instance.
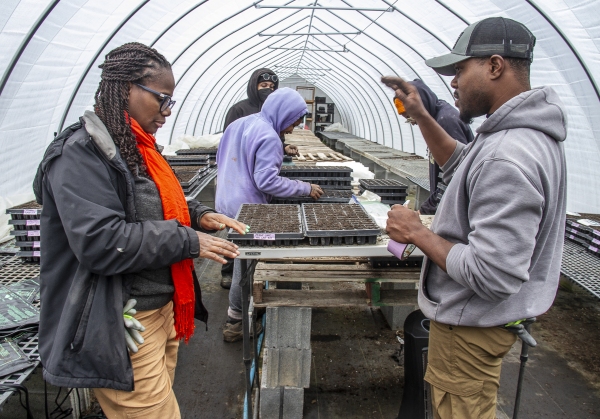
[267, 77]
[167, 101]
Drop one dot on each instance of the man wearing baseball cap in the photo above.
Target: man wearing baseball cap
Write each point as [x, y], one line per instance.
[494, 250]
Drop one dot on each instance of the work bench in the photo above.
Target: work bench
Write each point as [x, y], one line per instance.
[330, 276]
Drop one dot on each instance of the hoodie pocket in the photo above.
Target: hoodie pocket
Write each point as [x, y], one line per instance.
[77, 342]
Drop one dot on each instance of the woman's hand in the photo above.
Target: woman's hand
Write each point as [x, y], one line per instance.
[315, 191]
[214, 248]
[214, 221]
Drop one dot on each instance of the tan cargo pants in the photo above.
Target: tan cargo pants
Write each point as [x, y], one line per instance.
[153, 372]
[464, 369]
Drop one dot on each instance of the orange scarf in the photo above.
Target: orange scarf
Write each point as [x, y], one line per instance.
[174, 207]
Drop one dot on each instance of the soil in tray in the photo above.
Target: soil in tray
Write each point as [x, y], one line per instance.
[195, 169]
[337, 221]
[265, 218]
[186, 176]
[27, 205]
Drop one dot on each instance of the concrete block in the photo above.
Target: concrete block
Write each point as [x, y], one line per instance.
[286, 367]
[281, 402]
[396, 315]
[288, 327]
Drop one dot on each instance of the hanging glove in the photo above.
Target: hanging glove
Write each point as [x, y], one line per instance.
[132, 326]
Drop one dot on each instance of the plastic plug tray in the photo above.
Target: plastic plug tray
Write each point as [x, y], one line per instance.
[270, 225]
[191, 160]
[338, 224]
[25, 224]
[383, 186]
[331, 196]
[28, 211]
[26, 235]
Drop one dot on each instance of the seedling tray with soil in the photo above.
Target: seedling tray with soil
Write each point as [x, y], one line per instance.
[187, 179]
[338, 224]
[305, 171]
[191, 160]
[26, 235]
[25, 224]
[331, 196]
[383, 186]
[270, 225]
[342, 182]
[28, 211]
[25, 245]
[194, 169]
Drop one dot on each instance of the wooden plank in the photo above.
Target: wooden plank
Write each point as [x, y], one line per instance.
[314, 298]
[311, 156]
[326, 259]
[333, 156]
[397, 297]
[301, 157]
[257, 291]
[322, 156]
[333, 276]
[361, 267]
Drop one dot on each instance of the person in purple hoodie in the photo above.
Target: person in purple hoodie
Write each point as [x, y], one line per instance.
[249, 160]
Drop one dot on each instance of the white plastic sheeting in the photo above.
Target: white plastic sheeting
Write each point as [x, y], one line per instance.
[50, 51]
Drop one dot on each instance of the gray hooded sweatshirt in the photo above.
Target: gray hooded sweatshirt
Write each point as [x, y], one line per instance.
[505, 211]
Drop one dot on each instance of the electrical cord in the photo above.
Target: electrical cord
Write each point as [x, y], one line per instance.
[19, 388]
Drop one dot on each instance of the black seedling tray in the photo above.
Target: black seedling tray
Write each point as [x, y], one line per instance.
[26, 235]
[192, 160]
[577, 240]
[25, 224]
[196, 151]
[383, 185]
[298, 171]
[383, 195]
[338, 224]
[331, 196]
[189, 188]
[270, 225]
[28, 211]
[186, 179]
[392, 202]
[342, 182]
[26, 245]
[195, 168]
[573, 232]
[32, 256]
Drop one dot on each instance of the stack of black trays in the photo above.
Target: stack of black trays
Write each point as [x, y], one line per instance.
[210, 152]
[327, 177]
[585, 236]
[270, 225]
[188, 160]
[338, 224]
[190, 176]
[391, 191]
[330, 196]
[26, 222]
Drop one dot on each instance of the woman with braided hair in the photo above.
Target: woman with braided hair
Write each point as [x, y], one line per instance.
[119, 233]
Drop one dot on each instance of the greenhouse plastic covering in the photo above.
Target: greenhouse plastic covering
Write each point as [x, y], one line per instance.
[50, 51]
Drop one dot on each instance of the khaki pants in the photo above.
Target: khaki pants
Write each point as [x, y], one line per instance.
[153, 372]
[464, 369]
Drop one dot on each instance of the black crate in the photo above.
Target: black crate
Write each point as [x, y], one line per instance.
[383, 185]
[26, 235]
[338, 224]
[25, 224]
[28, 211]
[320, 99]
[270, 225]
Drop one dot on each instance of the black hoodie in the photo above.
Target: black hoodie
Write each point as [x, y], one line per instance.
[252, 104]
[448, 117]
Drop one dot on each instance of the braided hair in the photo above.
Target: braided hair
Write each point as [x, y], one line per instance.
[130, 63]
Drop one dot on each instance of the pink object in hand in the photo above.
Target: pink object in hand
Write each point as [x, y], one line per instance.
[400, 250]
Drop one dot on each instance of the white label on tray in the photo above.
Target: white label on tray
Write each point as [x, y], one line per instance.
[32, 233]
[36, 253]
[36, 245]
[33, 222]
[264, 236]
[30, 212]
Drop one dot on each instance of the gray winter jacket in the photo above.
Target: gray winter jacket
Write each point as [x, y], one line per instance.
[505, 210]
[90, 239]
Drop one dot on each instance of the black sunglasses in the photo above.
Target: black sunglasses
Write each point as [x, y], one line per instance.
[167, 101]
[267, 77]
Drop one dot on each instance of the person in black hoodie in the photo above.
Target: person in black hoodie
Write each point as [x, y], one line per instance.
[448, 117]
[262, 83]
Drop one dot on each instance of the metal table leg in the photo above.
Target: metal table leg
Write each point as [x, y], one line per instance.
[249, 353]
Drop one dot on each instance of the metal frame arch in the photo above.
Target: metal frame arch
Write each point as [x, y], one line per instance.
[400, 40]
[231, 66]
[209, 48]
[221, 115]
[370, 98]
[241, 73]
[93, 60]
[25, 42]
[221, 56]
[378, 83]
[458, 15]
[176, 21]
[364, 115]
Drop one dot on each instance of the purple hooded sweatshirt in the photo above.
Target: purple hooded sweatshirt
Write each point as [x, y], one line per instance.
[250, 155]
